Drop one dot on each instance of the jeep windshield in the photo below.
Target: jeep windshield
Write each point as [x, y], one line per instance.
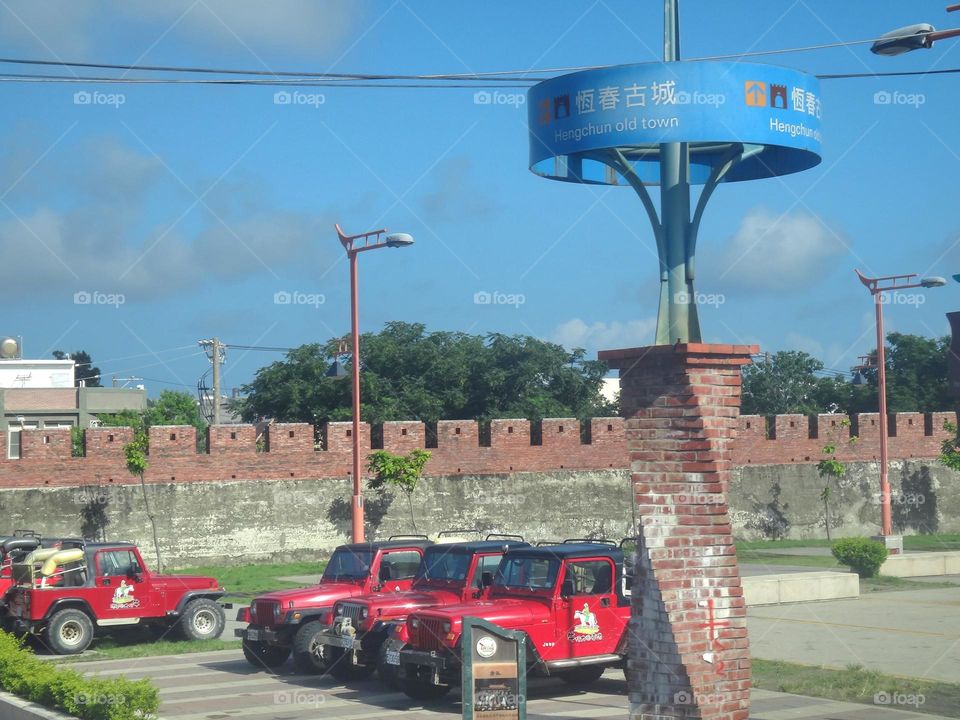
[525, 574]
[347, 564]
[444, 566]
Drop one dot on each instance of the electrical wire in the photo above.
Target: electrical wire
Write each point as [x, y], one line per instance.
[497, 75]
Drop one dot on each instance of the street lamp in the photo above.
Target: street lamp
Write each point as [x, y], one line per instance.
[912, 37]
[878, 286]
[354, 245]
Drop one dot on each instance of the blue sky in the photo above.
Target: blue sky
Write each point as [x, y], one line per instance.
[198, 204]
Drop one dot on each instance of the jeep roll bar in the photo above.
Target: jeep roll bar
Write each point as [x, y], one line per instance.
[497, 536]
[26, 533]
[627, 540]
[576, 541]
[544, 543]
[457, 531]
[407, 537]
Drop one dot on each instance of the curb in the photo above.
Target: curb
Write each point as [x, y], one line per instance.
[15, 708]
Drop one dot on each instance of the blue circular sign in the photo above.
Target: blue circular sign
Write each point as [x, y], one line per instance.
[581, 120]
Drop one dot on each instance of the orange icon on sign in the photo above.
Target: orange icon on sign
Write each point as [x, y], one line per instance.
[756, 93]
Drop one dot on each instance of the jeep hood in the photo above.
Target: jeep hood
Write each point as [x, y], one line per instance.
[507, 612]
[313, 596]
[184, 582]
[391, 605]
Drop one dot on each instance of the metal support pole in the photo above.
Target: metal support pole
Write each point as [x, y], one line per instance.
[357, 515]
[885, 510]
[677, 316]
[216, 381]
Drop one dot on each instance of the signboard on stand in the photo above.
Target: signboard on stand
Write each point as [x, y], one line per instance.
[494, 672]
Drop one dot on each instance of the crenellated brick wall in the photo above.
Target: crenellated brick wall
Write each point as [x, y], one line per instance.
[290, 450]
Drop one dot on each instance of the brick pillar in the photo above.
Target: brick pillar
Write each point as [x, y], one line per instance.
[689, 655]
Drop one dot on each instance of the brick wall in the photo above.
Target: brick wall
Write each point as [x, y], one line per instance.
[290, 450]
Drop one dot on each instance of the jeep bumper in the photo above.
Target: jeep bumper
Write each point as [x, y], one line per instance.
[332, 638]
[435, 667]
[259, 633]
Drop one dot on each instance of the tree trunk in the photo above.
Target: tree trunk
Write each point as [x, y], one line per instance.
[413, 520]
[153, 523]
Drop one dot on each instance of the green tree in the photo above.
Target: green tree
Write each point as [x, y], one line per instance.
[86, 373]
[831, 470]
[170, 408]
[398, 471]
[136, 452]
[786, 382]
[411, 374]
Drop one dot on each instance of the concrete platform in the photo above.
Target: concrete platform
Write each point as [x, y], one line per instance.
[922, 564]
[798, 587]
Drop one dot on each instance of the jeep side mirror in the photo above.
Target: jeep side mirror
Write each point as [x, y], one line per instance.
[567, 589]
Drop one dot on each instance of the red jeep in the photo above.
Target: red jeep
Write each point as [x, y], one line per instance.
[62, 595]
[13, 549]
[571, 600]
[288, 621]
[449, 574]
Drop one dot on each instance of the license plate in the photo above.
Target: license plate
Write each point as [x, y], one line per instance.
[253, 635]
[341, 642]
[392, 657]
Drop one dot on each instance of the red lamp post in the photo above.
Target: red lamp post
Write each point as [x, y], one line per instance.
[354, 245]
[878, 286]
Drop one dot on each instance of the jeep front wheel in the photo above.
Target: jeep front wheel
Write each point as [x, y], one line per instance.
[202, 619]
[307, 652]
[261, 655]
[69, 632]
[422, 690]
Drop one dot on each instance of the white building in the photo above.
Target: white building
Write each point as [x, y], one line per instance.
[19, 373]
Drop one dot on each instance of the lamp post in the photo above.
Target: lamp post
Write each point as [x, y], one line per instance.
[878, 286]
[354, 245]
[920, 36]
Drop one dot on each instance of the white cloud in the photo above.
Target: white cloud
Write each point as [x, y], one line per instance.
[105, 233]
[604, 336]
[773, 252]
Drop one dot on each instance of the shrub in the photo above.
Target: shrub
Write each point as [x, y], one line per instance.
[87, 698]
[862, 555]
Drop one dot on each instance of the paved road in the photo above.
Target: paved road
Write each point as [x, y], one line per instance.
[223, 686]
[912, 633]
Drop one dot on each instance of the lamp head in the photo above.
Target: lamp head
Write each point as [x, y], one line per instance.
[932, 282]
[903, 40]
[395, 240]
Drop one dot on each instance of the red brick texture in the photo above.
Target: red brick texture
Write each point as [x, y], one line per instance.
[233, 451]
[689, 655]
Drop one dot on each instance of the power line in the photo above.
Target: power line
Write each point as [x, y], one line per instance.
[495, 75]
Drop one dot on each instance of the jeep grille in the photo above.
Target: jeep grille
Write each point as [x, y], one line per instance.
[353, 612]
[262, 612]
[428, 635]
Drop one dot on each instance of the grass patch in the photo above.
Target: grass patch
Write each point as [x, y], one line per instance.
[933, 543]
[244, 581]
[856, 684]
[885, 583]
[123, 647]
[768, 558]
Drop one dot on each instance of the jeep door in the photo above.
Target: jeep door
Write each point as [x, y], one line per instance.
[396, 569]
[589, 623]
[122, 589]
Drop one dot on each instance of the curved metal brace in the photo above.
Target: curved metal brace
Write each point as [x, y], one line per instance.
[737, 153]
[618, 162]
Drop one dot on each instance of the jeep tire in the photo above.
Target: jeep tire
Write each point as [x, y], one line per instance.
[69, 632]
[307, 653]
[261, 655]
[202, 619]
[343, 669]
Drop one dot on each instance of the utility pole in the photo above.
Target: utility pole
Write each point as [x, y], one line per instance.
[214, 349]
[216, 381]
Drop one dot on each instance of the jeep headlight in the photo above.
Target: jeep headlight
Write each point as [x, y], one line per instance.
[276, 612]
[364, 613]
[446, 627]
[414, 623]
[337, 610]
